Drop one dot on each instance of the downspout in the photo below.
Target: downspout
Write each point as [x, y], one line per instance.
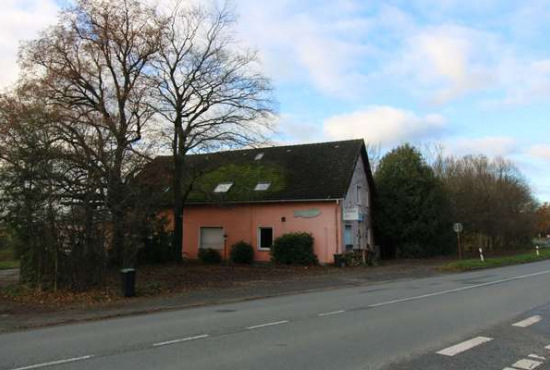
[336, 220]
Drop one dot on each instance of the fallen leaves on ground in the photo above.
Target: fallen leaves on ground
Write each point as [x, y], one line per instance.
[158, 280]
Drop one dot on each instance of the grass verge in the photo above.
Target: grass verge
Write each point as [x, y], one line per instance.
[476, 264]
[6, 259]
[5, 265]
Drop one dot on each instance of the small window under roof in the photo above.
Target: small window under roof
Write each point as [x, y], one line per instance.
[262, 186]
[259, 156]
[223, 187]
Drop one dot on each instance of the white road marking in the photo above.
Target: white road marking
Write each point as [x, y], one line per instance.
[528, 322]
[267, 324]
[464, 346]
[547, 347]
[526, 364]
[181, 340]
[537, 357]
[52, 363]
[457, 289]
[331, 313]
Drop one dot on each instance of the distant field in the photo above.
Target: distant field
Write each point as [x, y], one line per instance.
[5, 265]
[7, 260]
[476, 264]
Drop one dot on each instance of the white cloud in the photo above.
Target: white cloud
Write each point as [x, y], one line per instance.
[385, 125]
[346, 48]
[448, 60]
[20, 20]
[540, 152]
[293, 129]
[523, 81]
[320, 45]
[490, 145]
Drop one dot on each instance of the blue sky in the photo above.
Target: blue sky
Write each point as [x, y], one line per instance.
[473, 76]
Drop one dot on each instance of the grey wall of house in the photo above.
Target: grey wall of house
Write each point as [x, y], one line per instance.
[359, 196]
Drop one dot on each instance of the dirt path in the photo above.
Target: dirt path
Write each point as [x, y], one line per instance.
[8, 277]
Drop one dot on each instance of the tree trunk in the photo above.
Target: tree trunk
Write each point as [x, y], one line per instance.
[116, 205]
[177, 236]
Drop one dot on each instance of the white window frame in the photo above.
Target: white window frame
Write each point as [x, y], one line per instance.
[223, 187]
[259, 237]
[211, 227]
[262, 186]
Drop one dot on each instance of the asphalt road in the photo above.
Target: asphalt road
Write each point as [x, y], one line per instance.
[368, 327]
[507, 346]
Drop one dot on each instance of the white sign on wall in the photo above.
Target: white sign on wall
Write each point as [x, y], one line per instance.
[351, 214]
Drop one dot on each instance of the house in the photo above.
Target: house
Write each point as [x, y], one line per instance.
[256, 195]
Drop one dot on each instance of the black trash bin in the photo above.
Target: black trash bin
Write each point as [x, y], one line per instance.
[339, 260]
[128, 282]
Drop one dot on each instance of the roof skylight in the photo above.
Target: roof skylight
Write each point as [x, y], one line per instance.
[223, 187]
[262, 186]
[259, 156]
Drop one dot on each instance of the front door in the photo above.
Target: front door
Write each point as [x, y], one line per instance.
[348, 237]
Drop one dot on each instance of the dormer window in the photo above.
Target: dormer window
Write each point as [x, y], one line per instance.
[223, 187]
[262, 186]
[259, 156]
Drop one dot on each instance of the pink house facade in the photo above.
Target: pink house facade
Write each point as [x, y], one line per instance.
[260, 224]
[323, 189]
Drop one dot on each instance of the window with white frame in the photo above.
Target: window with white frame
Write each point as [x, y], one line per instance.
[223, 187]
[265, 238]
[262, 186]
[211, 237]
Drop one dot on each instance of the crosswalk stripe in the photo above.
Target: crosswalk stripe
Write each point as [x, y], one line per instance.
[464, 346]
[527, 364]
[528, 322]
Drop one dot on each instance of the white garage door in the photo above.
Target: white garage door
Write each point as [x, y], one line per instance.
[211, 237]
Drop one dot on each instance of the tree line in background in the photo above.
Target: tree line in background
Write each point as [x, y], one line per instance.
[417, 203]
[107, 88]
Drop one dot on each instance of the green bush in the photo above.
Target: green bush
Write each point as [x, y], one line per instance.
[210, 256]
[412, 207]
[412, 250]
[158, 248]
[242, 252]
[294, 249]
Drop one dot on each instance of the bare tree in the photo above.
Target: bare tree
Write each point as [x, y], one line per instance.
[93, 66]
[48, 197]
[209, 91]
[374, 153]
[543, 219]
[491, 198]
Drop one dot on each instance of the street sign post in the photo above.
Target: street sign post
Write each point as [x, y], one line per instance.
[458, 228]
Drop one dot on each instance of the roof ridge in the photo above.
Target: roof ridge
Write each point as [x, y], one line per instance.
[240, 150]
